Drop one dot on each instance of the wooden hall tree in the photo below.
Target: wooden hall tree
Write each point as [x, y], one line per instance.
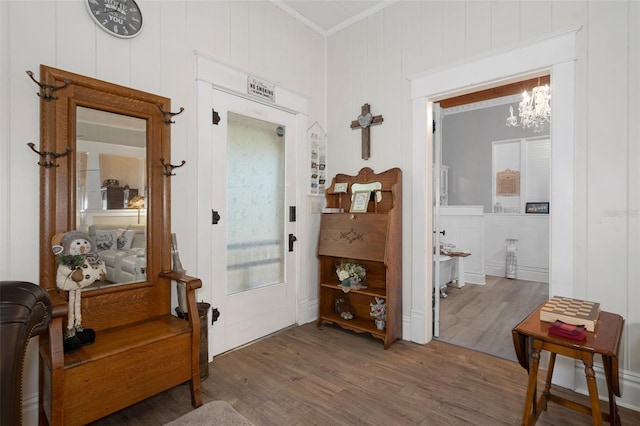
[140, 348]
[372, 239]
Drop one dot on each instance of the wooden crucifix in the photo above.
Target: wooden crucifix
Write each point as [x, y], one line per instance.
[364, 121]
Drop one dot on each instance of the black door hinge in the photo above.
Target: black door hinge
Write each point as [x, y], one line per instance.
[215, 217]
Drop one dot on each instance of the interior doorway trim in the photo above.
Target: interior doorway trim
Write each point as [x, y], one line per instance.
[231, 79]
[554, 54]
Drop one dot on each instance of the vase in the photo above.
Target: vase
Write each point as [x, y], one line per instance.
[380, 324]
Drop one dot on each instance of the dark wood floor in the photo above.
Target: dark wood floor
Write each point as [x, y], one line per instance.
[328, 376]
[480, 317]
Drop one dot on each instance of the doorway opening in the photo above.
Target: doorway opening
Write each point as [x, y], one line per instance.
[474, 139]
[556, 54]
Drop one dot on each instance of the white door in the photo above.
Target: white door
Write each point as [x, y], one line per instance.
[253, 193]
[437, 232]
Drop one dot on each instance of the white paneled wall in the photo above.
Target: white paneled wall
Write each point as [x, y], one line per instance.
[370, 61]
[427, 36]
[532, 233]
[464, 228]
[255, 36]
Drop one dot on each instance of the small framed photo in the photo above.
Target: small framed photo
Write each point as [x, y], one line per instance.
[537, 208]
[340, 187]
[360, 201]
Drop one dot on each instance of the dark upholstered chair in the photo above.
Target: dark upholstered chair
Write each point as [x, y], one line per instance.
[25, 311]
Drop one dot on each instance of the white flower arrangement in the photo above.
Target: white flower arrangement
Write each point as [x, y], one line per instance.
[351, 276]
[378, 309]
[351, 271]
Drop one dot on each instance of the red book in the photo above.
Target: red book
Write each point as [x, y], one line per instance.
[568, 331]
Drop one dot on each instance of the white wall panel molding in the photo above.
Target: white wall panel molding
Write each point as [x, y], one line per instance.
[512, 63]
[229, 78]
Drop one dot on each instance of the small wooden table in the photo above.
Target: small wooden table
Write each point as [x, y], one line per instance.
[533, 333]
[459, 257]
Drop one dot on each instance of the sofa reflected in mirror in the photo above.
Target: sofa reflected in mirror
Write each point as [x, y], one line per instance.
[119, 239]
[123, 250]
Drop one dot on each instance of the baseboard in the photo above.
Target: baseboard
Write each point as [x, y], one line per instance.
[414, 327]
[30, 409]
[307, 310]
[540, 275]
[475, 278]
[629, 385]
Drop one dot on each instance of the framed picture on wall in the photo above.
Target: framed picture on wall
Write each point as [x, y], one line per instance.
[340, 187]
[537, 208]
[360, 201]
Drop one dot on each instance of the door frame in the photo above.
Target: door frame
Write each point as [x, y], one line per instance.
[436, 178]
[554, 54]
[211, 73]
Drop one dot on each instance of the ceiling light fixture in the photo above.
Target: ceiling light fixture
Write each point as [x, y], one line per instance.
[533, 110]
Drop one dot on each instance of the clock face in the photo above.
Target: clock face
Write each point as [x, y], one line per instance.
[121, 18]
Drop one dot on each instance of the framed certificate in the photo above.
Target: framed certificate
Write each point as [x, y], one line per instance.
[360, 201]
[340, 187]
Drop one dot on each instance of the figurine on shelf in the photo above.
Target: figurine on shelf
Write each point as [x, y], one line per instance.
[343, 309]
[379, 312]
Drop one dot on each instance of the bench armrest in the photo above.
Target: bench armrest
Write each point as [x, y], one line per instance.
[59, 307]
[191, 283]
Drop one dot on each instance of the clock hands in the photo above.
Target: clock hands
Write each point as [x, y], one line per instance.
[121, 7]
[118, 17]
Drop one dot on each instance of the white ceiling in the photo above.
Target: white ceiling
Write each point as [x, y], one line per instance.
[329, 16]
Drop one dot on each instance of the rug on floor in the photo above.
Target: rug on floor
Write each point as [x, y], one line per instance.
[212, 413]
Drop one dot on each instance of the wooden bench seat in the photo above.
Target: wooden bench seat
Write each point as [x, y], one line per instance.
[126, 338]
[125, 365]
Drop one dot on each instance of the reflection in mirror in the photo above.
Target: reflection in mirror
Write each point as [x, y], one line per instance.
[111, 189]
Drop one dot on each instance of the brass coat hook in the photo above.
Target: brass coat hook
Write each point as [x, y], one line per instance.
[48, 158]
[47, 90]
[168, 168]
[168, 115]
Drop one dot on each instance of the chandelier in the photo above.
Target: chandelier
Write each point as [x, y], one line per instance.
[533, 110]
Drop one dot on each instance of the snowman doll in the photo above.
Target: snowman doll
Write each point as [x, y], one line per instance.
[78, 267]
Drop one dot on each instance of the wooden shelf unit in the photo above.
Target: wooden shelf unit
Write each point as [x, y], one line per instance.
[372, 239]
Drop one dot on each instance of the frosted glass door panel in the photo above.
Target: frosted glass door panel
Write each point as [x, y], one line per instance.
[255, 203]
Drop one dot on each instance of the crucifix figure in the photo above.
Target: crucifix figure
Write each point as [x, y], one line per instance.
[364, 121]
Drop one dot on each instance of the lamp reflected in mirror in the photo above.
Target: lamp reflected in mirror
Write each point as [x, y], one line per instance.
[136, 202]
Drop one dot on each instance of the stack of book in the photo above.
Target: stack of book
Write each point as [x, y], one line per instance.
[568, 331]
[571, 311]
[332, 210]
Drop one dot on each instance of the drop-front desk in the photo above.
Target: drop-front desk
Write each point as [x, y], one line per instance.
[531, 336]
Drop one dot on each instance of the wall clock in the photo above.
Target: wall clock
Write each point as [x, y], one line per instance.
[121, 18]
